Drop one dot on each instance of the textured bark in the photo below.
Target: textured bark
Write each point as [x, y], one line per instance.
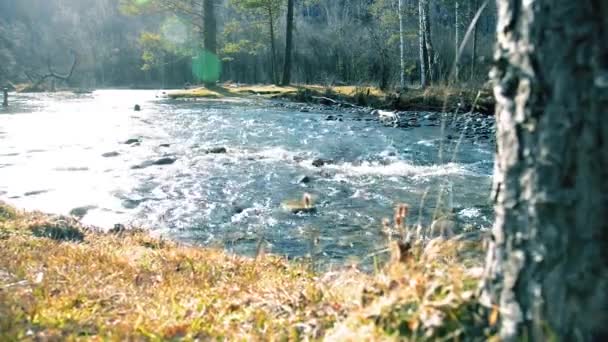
[474, 43]
[546, 270]
[457, 28]
[273, 49]
[401, 44]
[431, 58]
[288, 44]
[210, 27]
[424, 67]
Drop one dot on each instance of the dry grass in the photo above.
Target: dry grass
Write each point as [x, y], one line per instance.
[62, 281]
[433, 98]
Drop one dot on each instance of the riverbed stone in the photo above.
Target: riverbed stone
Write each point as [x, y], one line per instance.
[158, 162]
[81, 212]
[132, 141]
[216, 150]
[110, 154]
[304, 179]
[318, 162]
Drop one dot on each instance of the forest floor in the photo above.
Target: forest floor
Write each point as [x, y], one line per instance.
[60, 280]
[434, 98]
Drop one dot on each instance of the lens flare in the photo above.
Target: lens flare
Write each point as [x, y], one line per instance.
[206, 67]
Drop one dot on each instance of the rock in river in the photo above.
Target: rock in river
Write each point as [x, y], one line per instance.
[304, 179]
[161, 161]
[110, 154]
[216, 150]
[321, 162]
[132, 141]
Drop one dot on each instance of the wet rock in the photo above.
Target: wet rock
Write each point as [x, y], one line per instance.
[137, 108]
[216, 150]
[158, 162]
[110, 154]
[304, 110]
[164, 145]
[118, 228]
[331, 118]
[132, 141]
[321, 162]
[131, 203]
[304, 179]
[34, 193]
[81, 212]
[165, 161]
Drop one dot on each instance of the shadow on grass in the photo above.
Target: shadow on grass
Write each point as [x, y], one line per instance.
[58, 232]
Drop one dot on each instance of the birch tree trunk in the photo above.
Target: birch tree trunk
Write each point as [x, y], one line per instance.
[401, 44]
[288, 44]
[547, 270]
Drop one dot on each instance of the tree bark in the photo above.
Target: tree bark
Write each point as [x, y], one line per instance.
[474, 43]
[422, 45]
[273, 53]
[546, 270]
[210, 27]
[401, 44]
[457, 29]
[431, 69]
[288, 44]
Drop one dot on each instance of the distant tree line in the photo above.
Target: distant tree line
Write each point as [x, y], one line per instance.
[156, 43]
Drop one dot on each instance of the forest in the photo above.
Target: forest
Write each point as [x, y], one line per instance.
[154, 44]
[303, 170]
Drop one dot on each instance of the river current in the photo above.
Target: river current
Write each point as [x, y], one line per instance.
[60, 152]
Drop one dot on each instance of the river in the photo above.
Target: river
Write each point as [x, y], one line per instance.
[64, 151]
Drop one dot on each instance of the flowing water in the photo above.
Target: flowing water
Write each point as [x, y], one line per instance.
[52, 149]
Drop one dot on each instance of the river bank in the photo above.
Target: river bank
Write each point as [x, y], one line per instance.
[435, 98]
[60, 279]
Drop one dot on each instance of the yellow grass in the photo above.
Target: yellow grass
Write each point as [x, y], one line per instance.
[61, 281]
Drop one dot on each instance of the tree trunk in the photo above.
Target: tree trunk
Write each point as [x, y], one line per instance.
[546, 270]
[422, 45]
[273, 53]
[474, 44]
[402, 44]
[288, 44]
[457, 25]
[428, 41]
[210, 27]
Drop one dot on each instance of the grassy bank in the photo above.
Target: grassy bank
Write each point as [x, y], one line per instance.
[435, 98]
[60, 280]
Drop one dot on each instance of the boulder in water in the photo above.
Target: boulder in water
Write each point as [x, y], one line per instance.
[216, 150]
[304, 179]
[132, 141]
[304, 205]
[110, 154]
[81, 212]
[159, 162]
[321, 162]
[137, 108]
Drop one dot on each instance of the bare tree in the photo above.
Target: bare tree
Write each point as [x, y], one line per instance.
[288, 44]
[401, 8]
[546, 272]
